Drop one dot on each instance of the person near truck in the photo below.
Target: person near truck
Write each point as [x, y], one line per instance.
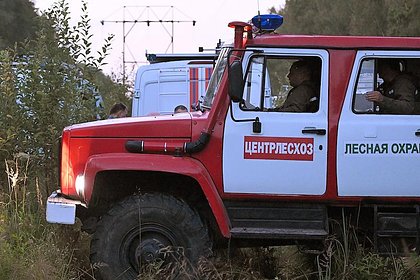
[396, 95]
[180, 109]
[118, 110]
[303, 95]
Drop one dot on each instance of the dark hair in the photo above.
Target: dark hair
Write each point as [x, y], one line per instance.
[393, 64]
[180, 107]
[303, 67]
[117, 107]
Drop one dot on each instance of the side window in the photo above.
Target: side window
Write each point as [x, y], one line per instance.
[254, 84]
[388, 86]
[366, 82]
[283, 84]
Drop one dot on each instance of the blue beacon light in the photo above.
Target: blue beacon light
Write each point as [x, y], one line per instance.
[267, 22]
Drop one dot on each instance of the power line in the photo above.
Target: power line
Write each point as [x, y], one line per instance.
[148, 22]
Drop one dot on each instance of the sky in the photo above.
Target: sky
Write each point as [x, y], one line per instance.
[212, 18]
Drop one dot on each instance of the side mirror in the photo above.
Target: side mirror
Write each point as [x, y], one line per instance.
[236, 81]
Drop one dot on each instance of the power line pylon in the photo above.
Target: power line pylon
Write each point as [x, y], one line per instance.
[149, 20]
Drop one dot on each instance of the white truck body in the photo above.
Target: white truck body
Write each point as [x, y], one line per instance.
[160, 87]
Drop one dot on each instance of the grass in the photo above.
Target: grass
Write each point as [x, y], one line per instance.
[29, 247]
[32, 249]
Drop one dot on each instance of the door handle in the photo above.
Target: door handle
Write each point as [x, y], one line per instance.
[417, 133]
[313, 130]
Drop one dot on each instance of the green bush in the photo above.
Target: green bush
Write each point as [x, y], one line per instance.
[42, 92]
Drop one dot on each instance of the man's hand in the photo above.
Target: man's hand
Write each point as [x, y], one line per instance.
[374, 96]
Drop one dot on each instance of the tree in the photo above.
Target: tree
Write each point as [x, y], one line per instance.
[17, 21]
[403, 17]
[50, 87]
[315, 17]
[77, 40]
[368, 18]
[351, 17]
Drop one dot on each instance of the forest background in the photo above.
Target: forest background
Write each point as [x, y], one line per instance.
[51, 78]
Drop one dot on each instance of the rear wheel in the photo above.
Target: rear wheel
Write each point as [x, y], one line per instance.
[135, 231]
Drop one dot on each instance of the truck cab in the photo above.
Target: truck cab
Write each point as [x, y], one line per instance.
[241, 168]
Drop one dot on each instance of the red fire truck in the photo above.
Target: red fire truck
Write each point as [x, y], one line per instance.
[240, 170]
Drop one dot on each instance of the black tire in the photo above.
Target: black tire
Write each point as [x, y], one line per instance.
[165, 221]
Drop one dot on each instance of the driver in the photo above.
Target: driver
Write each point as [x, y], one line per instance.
[299, 98]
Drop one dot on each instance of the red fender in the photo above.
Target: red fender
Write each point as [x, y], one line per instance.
[163, 163]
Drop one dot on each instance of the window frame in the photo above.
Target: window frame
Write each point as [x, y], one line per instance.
[264, 67]
[321, 54]
[363, 55]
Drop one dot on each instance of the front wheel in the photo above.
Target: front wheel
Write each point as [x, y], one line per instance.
[135, 230]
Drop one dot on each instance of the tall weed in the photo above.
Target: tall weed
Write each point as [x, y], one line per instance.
[32, 249]
[29, 247]
[345, 258]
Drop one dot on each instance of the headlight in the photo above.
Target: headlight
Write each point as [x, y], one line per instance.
[80, 185]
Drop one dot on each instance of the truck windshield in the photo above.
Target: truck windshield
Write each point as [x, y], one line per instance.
[216, 77]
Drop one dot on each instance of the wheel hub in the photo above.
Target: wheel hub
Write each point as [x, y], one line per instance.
[149, 250]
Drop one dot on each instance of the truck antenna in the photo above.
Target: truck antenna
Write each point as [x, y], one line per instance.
[259, 19]
[258, 6]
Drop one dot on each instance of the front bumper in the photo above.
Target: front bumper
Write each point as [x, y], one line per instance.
[61, 210]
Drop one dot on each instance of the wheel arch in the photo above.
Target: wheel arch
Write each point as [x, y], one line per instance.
[110, 177]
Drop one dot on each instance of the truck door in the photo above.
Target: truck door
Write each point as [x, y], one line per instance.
[378, 152]
[288, 156]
